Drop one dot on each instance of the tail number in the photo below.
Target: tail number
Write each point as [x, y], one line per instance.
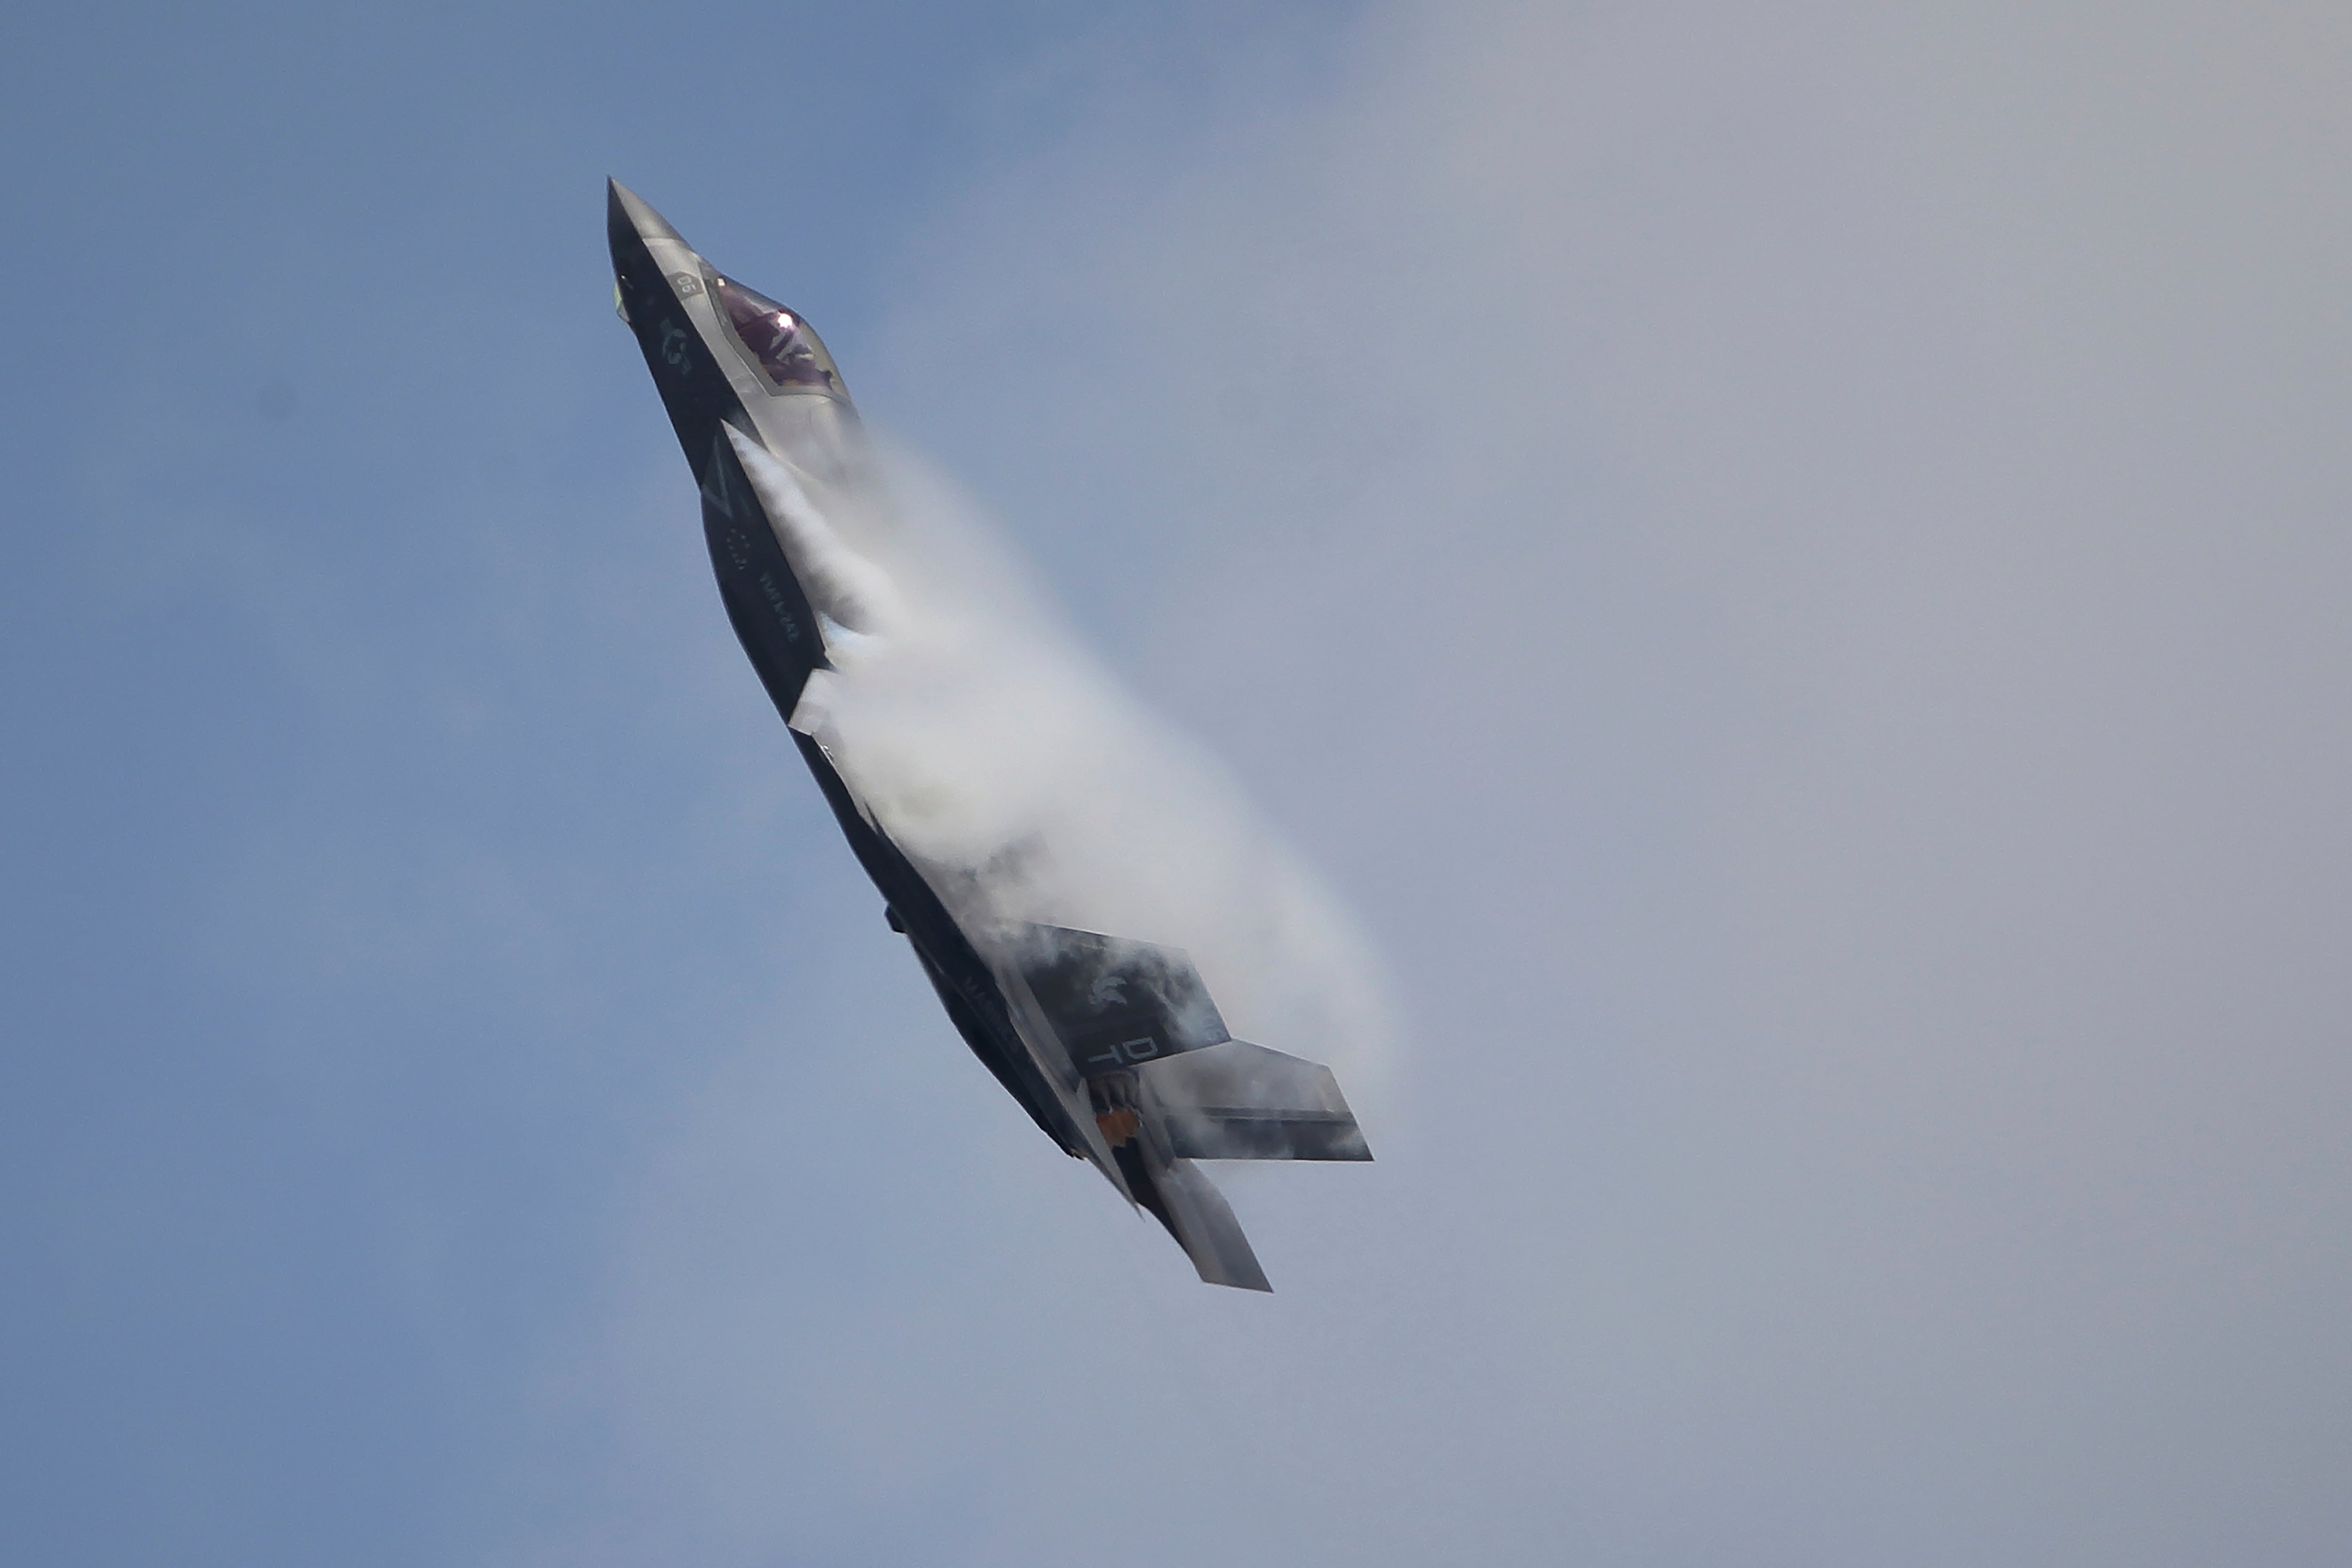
[1125, 1053]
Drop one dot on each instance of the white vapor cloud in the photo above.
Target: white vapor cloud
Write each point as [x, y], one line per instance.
[999, 754]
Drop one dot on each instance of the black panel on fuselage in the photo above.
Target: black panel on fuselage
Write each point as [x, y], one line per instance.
[764, 601]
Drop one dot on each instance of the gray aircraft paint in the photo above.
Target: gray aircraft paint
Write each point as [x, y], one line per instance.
[1111, 1044]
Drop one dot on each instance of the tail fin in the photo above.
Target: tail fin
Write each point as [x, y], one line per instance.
[1202, 1223]
[1239, 1101]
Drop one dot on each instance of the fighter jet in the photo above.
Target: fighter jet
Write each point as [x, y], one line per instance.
[1112, 1045]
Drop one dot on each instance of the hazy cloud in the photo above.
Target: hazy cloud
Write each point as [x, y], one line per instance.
[1791, 564]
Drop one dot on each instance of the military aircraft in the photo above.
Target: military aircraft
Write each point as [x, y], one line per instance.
[1111, 1044]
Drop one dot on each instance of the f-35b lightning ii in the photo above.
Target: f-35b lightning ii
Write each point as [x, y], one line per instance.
[1112, 1046]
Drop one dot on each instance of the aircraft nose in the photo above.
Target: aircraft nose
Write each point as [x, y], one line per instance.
[626, 211]
[634, 231]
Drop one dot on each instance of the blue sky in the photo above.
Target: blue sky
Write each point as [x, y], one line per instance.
[1788, 568]
[326, 573]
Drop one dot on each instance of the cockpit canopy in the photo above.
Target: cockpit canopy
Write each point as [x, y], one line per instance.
[788, 354]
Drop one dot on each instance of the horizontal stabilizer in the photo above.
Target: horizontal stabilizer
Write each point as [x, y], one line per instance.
[1202, 1223]
[1239, 1101]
